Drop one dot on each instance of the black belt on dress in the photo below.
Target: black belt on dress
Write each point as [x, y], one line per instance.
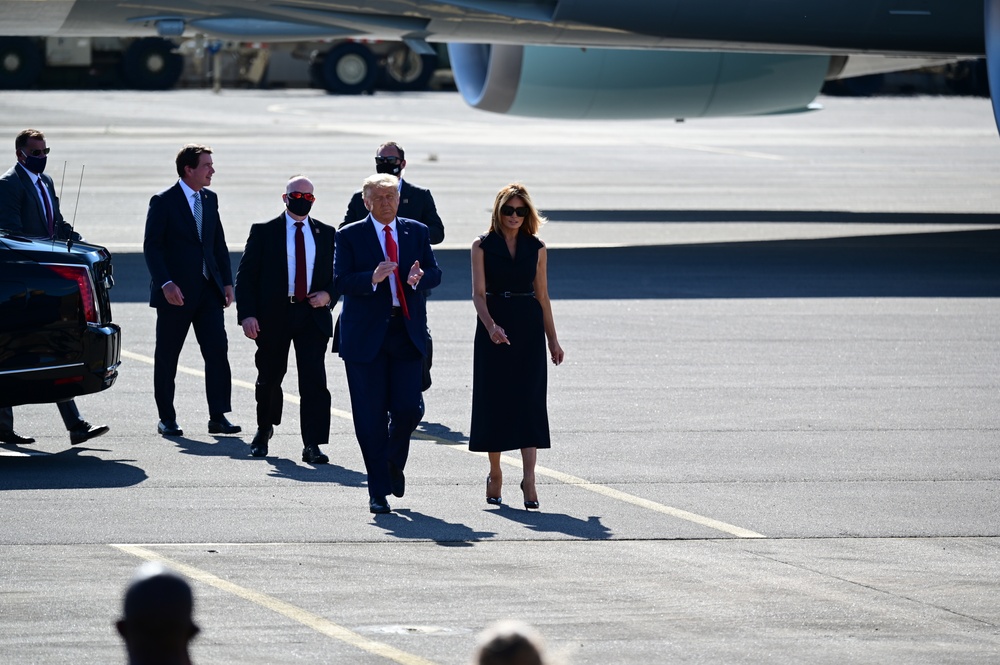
[293, 301]
[512, 294]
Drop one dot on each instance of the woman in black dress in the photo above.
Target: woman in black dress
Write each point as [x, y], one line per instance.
[510, 292]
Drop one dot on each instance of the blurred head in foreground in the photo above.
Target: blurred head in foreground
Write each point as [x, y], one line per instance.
[510, 643]
[156, 621]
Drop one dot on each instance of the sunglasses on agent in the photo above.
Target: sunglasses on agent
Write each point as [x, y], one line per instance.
[388, 160]
[37, 152]
[302, 195]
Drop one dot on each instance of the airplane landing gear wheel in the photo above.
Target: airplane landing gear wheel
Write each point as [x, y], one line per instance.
[349, 69]
[20, 63]
[151, 64]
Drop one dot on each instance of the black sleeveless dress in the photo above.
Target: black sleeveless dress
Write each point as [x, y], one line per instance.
[509, 382]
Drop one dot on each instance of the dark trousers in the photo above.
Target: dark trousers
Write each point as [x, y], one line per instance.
[299, 329]
[70, 416]
[389, 386]
[204, 311]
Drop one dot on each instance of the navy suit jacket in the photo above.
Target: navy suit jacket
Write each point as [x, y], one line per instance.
[21, 209]
[364, 319]
[173, 251]
[262, 277]
[414, 203]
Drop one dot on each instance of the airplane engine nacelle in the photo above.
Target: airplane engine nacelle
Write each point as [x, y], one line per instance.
[564, 82]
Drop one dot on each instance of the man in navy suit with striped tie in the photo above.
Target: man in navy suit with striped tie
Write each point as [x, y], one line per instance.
[192, 281]
[382, 264]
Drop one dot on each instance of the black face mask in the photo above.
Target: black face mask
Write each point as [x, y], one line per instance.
[299, 207]
[35, 164]
[391, 169]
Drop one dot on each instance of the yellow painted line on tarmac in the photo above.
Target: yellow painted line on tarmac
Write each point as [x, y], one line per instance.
[603, 490]
[304, 617]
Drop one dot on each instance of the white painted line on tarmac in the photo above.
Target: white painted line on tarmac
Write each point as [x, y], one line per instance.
[306, 618]
[603, 490]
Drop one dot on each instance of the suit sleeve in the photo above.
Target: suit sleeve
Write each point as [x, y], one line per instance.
[248, 277]
[355, 210]
[428, 263]
[432, 220]
[330, 287]
[350, 278]
[11, 201]
[221, 250]
[153, 243]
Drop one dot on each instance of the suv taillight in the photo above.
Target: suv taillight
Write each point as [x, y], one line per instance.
[81, 275]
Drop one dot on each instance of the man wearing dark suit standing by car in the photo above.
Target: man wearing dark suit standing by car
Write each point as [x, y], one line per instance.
[29, 207]
[284, 291]
[192, 282]
[381, 265]
[414, 203]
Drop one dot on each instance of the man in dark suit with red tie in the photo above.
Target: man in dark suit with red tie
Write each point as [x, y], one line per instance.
[414, 203]
[284, 291]
[382, 264]
[192, 281]
[29, 207]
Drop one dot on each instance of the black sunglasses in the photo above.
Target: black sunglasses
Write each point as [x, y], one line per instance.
[520, 211]
[37, 152]
[301, 195]
[388, 160]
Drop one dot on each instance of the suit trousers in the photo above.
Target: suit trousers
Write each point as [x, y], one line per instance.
[388, 386]
[67, 410]
[204, 311]
[298, 328]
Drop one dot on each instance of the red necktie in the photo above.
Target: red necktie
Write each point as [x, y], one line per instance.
[300, 263]
[48, 208]
[390, 251]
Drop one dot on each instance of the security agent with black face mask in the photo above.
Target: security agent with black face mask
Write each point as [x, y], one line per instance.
[284, 294]
[29, 207]
[414, 203]
[28, 202]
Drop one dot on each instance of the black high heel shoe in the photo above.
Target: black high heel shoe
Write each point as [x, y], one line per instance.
[529, 505]
[492, 500]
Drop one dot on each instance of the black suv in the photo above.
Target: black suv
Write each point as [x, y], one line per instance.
[57, 340]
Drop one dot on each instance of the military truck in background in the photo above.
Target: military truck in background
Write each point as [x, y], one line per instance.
[157, 63]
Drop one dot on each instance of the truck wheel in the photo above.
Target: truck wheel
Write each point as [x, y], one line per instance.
[20, 63]
[349, 69]
[151, 64]
[407, 70]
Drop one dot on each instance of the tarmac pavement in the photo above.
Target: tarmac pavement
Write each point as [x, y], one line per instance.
[774, 435]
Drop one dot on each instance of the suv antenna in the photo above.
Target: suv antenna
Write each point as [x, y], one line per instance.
[72, 226]
[62, 180]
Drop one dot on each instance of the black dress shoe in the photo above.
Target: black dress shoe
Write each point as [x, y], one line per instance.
[221, 425]
[10, 436]
[378, 506]
[258, 448]
[169, 428]
[84, 431]
[313, 455]
[397, 481]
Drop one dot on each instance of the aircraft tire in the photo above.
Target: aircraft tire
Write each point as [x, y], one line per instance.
[349, 69]
[151, 64]
[406, 70]
[20, 63]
